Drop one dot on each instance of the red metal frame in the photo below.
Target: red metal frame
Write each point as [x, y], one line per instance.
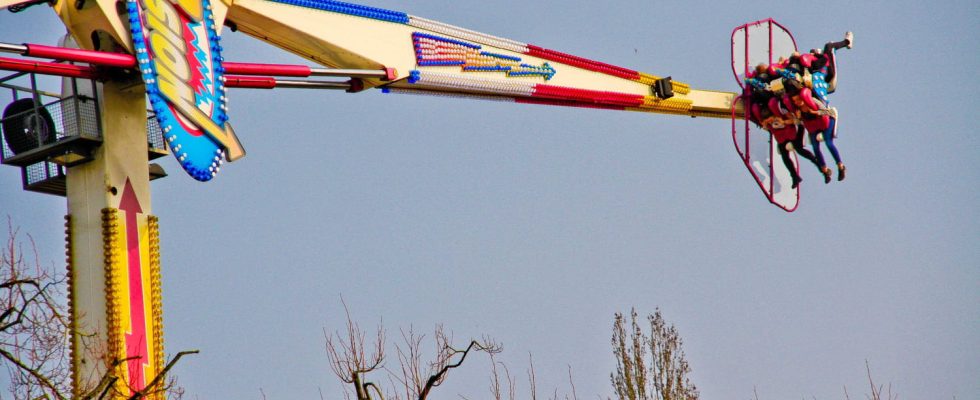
[744, 98]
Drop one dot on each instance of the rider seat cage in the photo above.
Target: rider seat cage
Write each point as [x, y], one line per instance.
[754, 43]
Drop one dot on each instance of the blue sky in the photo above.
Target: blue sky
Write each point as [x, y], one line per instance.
[535, 224]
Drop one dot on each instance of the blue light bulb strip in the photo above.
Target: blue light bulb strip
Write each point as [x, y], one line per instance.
[496, 68]
[198, 154]
[440, 63]
[546, 71]
[350, 9]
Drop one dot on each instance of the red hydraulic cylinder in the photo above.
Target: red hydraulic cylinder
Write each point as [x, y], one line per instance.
[48, 68]
[300, 71]
[268, 82]
[107, 59]
[250, 82]
[120, 60]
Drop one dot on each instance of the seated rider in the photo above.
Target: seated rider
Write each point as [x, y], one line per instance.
[783, 127]
[758, 82]
[824, 61]
[800, 78]
[817, 70]
[820, 122]
[788, 134]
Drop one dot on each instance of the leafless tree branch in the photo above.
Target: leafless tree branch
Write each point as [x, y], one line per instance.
[532, 378]
[33, 323]
[414, 378]
[153, 386]
[571, 383]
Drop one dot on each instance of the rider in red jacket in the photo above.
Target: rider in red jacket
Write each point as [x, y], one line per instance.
[788, 134]
[820, 122]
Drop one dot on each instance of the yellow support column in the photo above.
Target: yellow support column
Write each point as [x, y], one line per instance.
[113, 253]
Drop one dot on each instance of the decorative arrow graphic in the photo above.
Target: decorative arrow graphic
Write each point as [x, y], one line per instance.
[136, 339]
[437, 51]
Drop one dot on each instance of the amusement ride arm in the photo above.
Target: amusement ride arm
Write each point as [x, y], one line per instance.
[436, 58]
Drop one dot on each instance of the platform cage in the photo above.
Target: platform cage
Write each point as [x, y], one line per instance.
[45, 133]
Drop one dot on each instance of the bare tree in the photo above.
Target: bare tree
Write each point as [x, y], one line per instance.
[532, 379]
[878, 392]
[349, 358]
[649, 367]
[33, 323]
[414, 378]
[417, 377]
[34, 332]
[496, 389]
[503, 386]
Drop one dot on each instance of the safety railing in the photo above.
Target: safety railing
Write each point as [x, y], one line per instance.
[45, 133]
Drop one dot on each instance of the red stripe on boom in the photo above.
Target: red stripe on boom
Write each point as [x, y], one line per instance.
[588, 96]
[583, 63]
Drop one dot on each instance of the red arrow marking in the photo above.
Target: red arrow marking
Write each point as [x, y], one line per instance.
[136, 345]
